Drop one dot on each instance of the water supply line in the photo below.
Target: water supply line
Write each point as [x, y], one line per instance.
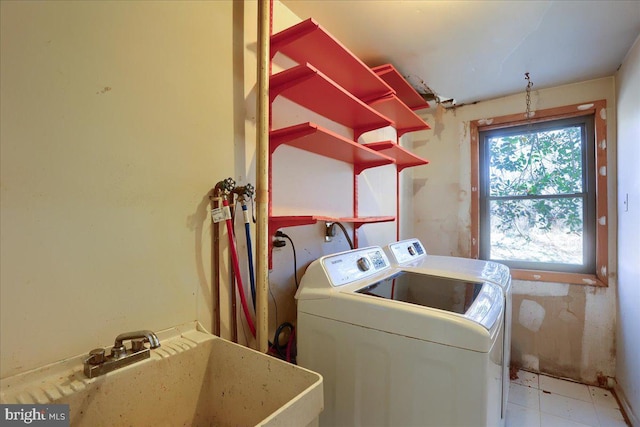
[243, 193]
[265, 10]
[236, 270]
[215, 261]
[232, 282]
[220, 191]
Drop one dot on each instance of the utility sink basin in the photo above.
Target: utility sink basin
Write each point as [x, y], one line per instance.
[193, 379]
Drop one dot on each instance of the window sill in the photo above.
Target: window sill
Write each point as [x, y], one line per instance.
[557, 277]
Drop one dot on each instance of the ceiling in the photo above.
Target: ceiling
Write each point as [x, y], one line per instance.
[471, 51]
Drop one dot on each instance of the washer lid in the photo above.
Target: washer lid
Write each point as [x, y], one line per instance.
[475, 300]
[412, 321]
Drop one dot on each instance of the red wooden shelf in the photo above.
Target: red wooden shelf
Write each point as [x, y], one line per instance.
[277, 222]
[315, 139]
[308, 42]
[307, 86]
[404, 119]
[403, 157]
[336, 84]
[357, 222]
[404, 90]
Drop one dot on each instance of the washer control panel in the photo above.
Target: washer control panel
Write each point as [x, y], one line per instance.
[406, 251]
[347, 267]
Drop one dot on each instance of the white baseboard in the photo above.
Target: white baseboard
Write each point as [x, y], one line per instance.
[625, 405]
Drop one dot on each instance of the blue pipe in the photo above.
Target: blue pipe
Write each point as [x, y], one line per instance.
[247, 229]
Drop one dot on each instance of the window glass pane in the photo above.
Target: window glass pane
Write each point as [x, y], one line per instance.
[541, 163]
[537, 230]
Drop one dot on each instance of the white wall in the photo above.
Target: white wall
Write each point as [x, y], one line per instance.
[575, 338]
[117, 120]
[628, 326]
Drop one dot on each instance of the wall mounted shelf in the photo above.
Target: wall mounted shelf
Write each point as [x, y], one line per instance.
[309, 42]
[307, 86]
[277, 222]
[407, 94]
[403, 157]
[315, 139]
[332, 82]
[404, 119]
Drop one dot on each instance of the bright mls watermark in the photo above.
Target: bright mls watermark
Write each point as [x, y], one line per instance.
[36, 415]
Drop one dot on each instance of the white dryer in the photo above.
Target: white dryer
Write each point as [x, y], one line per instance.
[398, 347]
[411, 255]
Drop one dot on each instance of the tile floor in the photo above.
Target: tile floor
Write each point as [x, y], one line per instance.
[542, 401]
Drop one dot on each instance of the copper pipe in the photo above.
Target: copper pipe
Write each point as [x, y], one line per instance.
[215, 242]
[265, 8]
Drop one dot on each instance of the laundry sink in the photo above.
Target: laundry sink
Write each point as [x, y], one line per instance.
[193, 379]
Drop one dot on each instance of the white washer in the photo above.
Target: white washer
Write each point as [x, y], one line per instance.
[398, 347]
[412, 256]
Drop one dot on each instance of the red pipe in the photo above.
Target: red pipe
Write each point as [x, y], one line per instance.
[236, 270]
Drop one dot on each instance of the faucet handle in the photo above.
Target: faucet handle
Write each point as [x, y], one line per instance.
[96, 356]
[118, 352]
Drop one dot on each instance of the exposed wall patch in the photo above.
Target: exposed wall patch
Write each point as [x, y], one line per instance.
[531, 315]
[603, 271]
[585, 107]
[529, 288]
[531, 362]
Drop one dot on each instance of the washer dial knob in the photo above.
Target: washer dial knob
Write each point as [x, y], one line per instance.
[364, 264]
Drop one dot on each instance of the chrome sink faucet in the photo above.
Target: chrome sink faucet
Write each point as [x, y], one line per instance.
[135, 337]
[98, 363]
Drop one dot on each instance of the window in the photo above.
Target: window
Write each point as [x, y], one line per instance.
[537, 195]
[538, 202]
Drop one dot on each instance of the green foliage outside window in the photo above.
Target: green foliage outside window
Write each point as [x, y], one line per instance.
[545, 163]
[534, 198]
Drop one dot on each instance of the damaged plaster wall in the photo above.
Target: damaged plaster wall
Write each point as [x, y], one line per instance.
[560, 329]
[564, 330]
